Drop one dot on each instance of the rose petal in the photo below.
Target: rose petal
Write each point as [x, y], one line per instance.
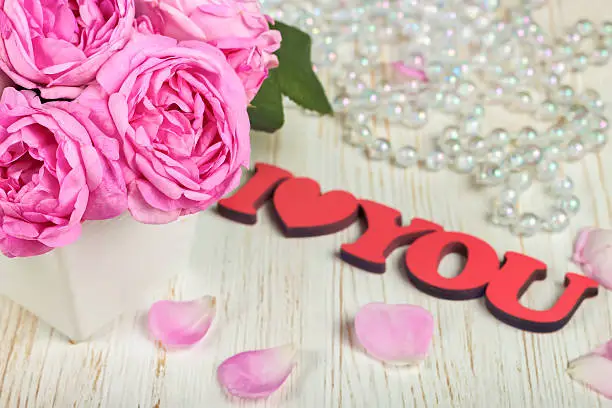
[256, 374]
[410, 72]
[175, 323]
[144, 212]
[399, 334]
[593, 252]
[594, 370]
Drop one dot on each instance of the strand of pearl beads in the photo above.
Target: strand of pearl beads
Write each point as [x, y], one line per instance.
[512, 63]
[579, 128]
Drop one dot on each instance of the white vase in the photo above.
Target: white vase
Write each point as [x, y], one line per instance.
[113, 268]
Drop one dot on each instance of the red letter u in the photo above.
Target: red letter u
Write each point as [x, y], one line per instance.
[517, 274]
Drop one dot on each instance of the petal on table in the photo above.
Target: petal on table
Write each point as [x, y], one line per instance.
[593, 252]
[594, 370]
[176, 323]
[258, 373]
[398, 334]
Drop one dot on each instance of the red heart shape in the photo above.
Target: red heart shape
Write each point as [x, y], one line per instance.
[304, 212]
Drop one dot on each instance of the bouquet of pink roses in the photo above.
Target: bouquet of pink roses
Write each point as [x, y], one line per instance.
[146, 106]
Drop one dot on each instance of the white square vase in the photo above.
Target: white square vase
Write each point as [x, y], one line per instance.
[114, 267]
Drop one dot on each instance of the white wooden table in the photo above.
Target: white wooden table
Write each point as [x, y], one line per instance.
[272, 290]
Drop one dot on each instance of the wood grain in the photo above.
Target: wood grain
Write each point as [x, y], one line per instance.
[273, 291]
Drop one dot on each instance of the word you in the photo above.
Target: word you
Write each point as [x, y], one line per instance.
[303, 211]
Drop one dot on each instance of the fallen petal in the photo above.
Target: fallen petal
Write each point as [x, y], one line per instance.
[410, 72]
[594, 370]
[175, 323]
[397, 334]
[256, 374]
[593, 252]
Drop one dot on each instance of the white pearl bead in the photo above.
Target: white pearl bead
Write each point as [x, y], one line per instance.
[547, 170]
[585, 28]
[580, 62]
[466, 89]
[596, 140]
[551, 80]
[464, 163]
[496, 154]
[509, 82]
[575, 150]
[563, 48]
[451, 147]
[553, 152]
[435, 71]
[556, 220]
[548, 110]
[570, 204]
[559, 67]
[394, 112]
[562, 187]
[412, 86]
[576, 112]
[557, 133]
[520, 181]
[399, 97]
[435, 161]
[406, 156]
[451, 103]
[532, 154]
[451, 133]
[477, 145]
[527, 135]
[415, 118]
[565, 95]
[606, 28]
[592, 100]
[379, 149]
[514, 161]
[478, 111]
[496, 94]
[526, 225]
[499, 137]
[359, 119]
[471, 125]
[489, 174]
[600, 56]
[358, 136]
[509, 195]
[503, 214]
[415, 59]
[523, 102]
[368, 99]
[545, 52]
[342, 102]
[599, 123]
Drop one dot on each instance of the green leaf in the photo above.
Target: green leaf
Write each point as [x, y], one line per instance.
[295, 75]
[266, 110]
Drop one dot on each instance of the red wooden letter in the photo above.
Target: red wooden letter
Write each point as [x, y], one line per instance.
[424, 256]
[242, 207]
[384, 233]
[517, 274]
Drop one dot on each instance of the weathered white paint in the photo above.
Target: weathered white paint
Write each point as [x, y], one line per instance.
[273, 290]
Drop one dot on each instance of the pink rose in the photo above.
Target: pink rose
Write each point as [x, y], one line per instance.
[593, 252]
[237, 27]
[56, 169]
[180, 113]
[59, 45]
